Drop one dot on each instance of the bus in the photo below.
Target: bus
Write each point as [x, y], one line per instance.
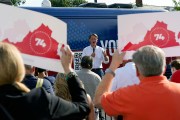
[81, 22]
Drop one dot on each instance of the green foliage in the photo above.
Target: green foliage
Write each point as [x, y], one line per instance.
[176, 5]
[66, 3]
[18, 2]
[139, 3]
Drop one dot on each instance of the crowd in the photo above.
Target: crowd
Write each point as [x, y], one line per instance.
[137, 91]
[20, 103]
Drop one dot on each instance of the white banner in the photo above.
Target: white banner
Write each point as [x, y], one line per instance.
[37, 36]
[161, 29]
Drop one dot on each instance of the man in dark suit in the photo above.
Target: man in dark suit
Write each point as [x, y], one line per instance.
[31, 81]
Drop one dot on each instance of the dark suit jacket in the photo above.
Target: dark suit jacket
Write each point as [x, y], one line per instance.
[40, 105]
[30, 81]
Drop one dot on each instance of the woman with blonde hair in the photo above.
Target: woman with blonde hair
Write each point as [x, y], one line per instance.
[62, 90]
[61, 87]
[37, 104]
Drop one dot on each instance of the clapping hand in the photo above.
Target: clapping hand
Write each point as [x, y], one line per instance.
[104, 53]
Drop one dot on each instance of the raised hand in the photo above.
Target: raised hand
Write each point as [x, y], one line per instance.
[104, 53]
[105, 56]
[117, 59]
[66, 59]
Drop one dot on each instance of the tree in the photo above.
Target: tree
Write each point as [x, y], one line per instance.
[176, 5]
[18, 2]
[7, 2]
[78, 2]
[66, 3]
[139, 3]
[13, 2]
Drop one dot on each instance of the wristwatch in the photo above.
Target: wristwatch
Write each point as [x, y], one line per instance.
[110, 71]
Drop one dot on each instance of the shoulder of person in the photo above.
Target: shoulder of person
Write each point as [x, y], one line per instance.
[96, 75]
[130, 64]
[88, 47]
[100, 48]
[119, 70]
[46, 82]
[29, 79]
[50, 78]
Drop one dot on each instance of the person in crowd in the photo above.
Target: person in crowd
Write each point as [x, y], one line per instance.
[175, 69]
[98, 53]
[176, 77]
[89, 78]
[61, 87]
[37, 104]
[175, 65]
[125, 76]
[154, 98]
[43, 73]
[168, 72]
[31, 81]
[62, 90]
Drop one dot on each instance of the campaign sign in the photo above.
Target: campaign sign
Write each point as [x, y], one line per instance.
[77, 60]
[39, 37]
[160, 29]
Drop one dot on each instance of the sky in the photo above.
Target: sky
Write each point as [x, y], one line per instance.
[37, 3]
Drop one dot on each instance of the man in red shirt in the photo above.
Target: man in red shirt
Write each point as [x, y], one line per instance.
[176, 77]
[175, 65]
[155, 98]
[175, 69]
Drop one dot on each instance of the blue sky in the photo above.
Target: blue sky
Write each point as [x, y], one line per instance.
[149, 2]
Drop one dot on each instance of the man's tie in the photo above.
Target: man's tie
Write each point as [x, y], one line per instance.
[93, 50]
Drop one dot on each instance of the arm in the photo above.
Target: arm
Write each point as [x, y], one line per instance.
[79, 107]
[91, 115]
[75, 110]
[105, 57]
[105, 84]
[84, 52]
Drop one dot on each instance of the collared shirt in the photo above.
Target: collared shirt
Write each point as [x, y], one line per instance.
[90, 80]
[155, 98]
[125, 76]
[176, 77]
[99, 57]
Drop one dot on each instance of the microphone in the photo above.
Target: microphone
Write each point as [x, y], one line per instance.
[93, 50]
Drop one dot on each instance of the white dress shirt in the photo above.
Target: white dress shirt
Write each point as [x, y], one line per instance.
[99, 56]
[125, 76]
